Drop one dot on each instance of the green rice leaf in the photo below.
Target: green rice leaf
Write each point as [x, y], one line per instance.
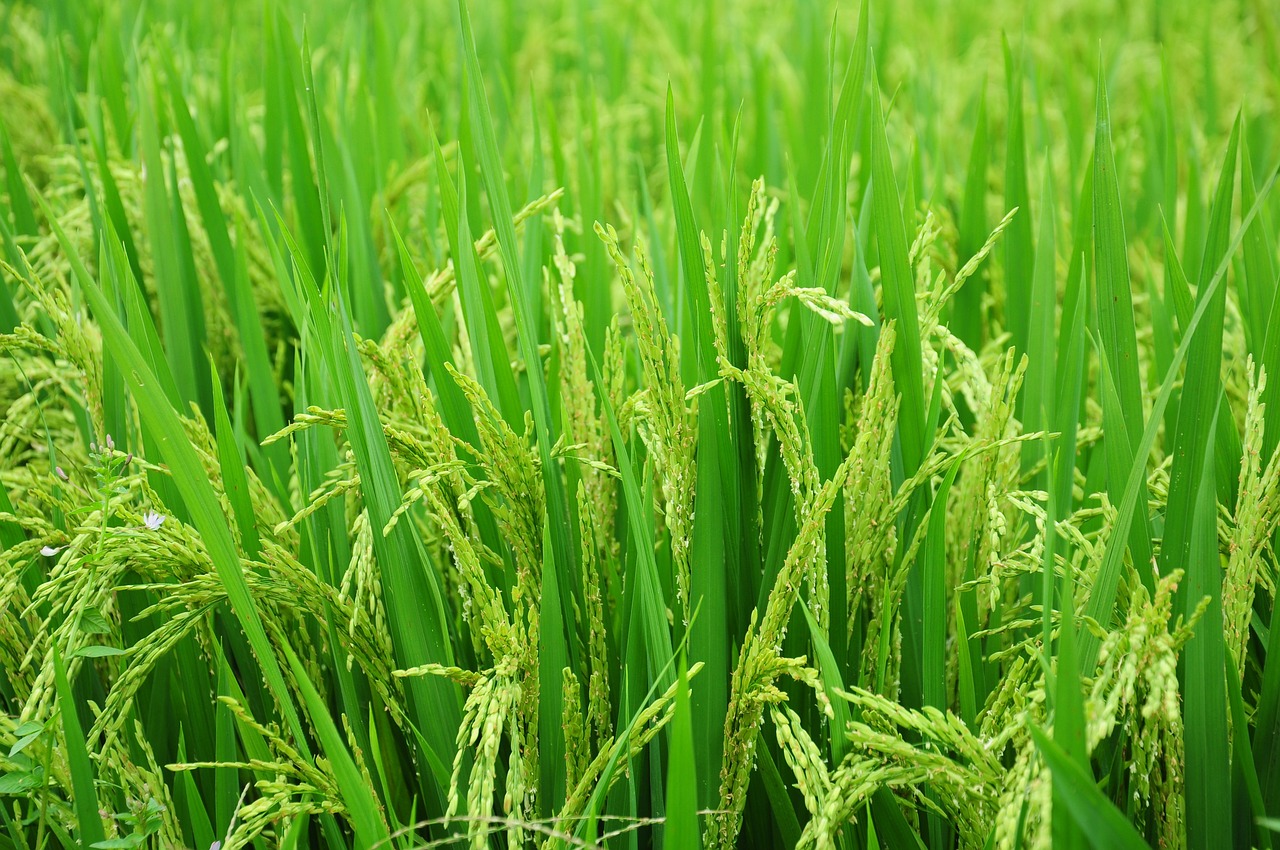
[898, 287]
[82, 779]
[1208, 762]
[1117, 330]
[1019, 252]
[1203, 381]
[966, 320]
[682, 790]
[934, 662]
[1103, 824]
[367, 822]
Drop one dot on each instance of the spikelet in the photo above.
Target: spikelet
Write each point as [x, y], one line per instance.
[146, 794]
[577, 746]
[760, 660]
[1256, 517]
[516, 495]
[644, 726]
[963, 776]
[441, 285]
[715, 297]
[980, 522]
[484, 720]
[1136, 689]
[803, 757]
[672, 432]
[757, 253]
[941, 296]
[598, 706]
[583, 426]
[288, 785]
[362, 583]
[481, 602]
[871, 535]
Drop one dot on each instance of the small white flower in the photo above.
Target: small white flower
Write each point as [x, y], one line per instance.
[153, 520]
[50, 551]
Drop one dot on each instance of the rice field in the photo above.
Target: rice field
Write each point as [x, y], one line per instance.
[647, 424]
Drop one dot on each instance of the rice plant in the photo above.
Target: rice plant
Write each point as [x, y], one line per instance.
[558, 424]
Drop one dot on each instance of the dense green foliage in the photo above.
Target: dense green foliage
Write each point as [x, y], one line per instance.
[558, 423]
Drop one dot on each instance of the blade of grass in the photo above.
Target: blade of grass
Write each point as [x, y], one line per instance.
[1203, 380]
[215, 221]
[24, 215]
[966, 320]
[310, 201]
[784, 812]
[234, 481]
[1019, 253]
[1070, 391]
[1266, 721]
[488, 346]
[817, 373]
[366, 819]
[1259, 259]
[561, 537]
[454, 408]
[553, 659]
[965, 684]
[231, 263]
[682, 790]
[833, 684]
[1072, 338]
[1102, 595]
[1039, 399]
[81, 769]
[178, 301]
[717, 506]
[898, 287]
[13, 254]
[1117, 330]
[1068, 701]
[1208, 757]
[453, 404]
[708, 592]
[934, 664]
[652, 606]
[1245, 768]
[188, 796]
[1103, 824]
